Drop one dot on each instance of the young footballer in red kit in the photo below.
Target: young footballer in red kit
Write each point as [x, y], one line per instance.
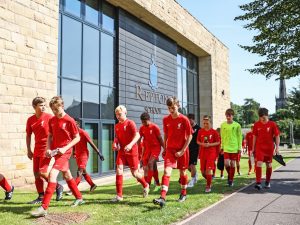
[249, 148]
[264, 132]
[63, 135]
[208, 140]
[177, 136]
[81, 155]
[126, 139]
[38, 124]
[9, 190]
[150, 133]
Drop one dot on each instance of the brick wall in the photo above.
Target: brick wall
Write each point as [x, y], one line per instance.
[28, 65]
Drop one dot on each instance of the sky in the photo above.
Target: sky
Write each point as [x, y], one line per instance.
[218, 17]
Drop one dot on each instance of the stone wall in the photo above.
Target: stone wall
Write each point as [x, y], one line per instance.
[28, 65]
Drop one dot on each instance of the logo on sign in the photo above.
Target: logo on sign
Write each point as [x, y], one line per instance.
[153, 75]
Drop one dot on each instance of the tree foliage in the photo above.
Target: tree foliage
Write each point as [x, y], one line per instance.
[277, 23]
[246, 114]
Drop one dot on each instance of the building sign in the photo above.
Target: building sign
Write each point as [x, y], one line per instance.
[151, 96]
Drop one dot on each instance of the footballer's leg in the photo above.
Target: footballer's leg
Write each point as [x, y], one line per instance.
[136, 174]
[161, 201]
[8, 188]
[73, 187]
[258, 174]
[88, 179]
[268, 175]
[184, 182]
[119, 183]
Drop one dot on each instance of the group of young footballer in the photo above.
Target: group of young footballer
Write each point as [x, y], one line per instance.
[183, 143]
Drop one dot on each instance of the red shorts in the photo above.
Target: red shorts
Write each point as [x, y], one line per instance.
[231, 156]
[207, 164]
[40, 164]
[180, 163]
[263, 157]
[81, 162]
[153, 153]
[132, 161]
[61, 163]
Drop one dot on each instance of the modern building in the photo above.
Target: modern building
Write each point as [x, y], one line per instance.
[98, 54]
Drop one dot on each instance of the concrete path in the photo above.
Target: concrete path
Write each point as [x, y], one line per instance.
[279, 205]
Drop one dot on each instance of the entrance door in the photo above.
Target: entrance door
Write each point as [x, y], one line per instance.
[107, 135]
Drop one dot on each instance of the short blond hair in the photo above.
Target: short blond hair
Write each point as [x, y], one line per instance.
[56, 101]
[121, 108]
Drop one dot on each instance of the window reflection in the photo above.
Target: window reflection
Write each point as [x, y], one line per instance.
[107, 103]
[90, 54]
[179, 84]
[184, 85]
[70, 91]
[91, 101]
[108, 18]
[107, 60]
[91, 11]
[71, 48]
[73, 6]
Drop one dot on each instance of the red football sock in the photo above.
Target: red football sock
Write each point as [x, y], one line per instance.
[78, 180]
[119, 185]
[5, 185]
[88, 179]
[39, 184]
[73, 187]
[143, 182]
[228, 170]
[232, 172]
[268, 174]
[208, 180]
[155, 175]
[48, 194]
[149, 177]
[164, 186]
[184, 181]
[258, 174]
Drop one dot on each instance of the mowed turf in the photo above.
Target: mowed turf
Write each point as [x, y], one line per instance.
[134, 209]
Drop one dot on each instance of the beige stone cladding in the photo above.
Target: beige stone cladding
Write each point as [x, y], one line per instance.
[174, 21]
[28, 68]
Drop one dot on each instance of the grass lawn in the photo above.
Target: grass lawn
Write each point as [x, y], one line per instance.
[134, 209]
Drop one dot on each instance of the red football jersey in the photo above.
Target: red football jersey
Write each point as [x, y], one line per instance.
[208, 136]
[63, 131]
[40, 128]
[81, 149]
[249, 139]
[176, 130]
[150, 135]
[125, 132]
[265, 134]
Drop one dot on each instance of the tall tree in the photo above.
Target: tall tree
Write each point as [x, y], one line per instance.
[294, 102]
[277, 23]
[250, 110]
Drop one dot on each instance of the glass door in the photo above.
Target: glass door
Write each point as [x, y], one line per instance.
[93, 130]
[107, 136]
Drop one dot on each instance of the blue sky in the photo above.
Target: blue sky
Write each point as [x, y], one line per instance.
[217, 16]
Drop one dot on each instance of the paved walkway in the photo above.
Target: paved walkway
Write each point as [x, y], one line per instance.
[278, 206]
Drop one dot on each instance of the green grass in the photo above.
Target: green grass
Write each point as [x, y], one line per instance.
[134, 209]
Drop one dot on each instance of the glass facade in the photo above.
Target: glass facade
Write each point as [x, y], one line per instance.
[188, 82]
[86, 73]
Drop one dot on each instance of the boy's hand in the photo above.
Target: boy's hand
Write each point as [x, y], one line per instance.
[101, 156]
[179, 154]
[29, 154]
[127, 148]
[48, 153]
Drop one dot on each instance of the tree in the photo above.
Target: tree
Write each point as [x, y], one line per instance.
[277, 23]
[250, 110]
[294, 102]
[238, 113]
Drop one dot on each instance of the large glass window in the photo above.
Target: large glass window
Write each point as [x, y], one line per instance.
[107, 60]
[72, 99]
[86, 73]
[91, 55]
[187, 82]
[71, 48]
